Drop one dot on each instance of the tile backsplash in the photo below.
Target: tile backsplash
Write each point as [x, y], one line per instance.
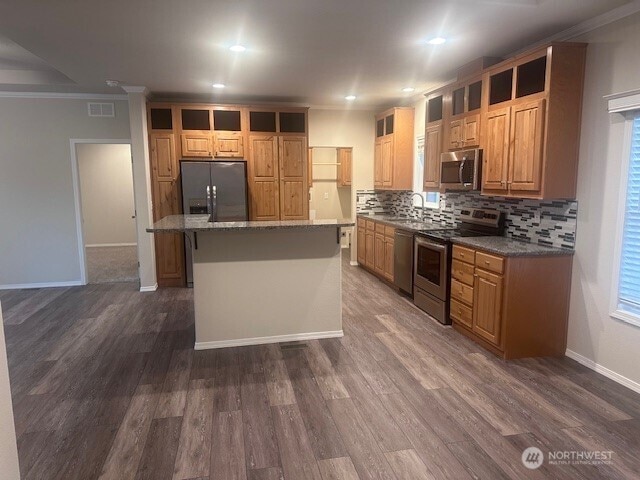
[549, 222]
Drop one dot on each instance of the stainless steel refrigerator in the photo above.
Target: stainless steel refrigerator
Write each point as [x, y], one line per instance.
[215, 188]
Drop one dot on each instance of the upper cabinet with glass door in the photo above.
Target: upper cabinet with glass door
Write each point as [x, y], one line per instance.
[393, 150]
[531, 123]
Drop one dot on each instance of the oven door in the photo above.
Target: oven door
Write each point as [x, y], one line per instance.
[430, 267]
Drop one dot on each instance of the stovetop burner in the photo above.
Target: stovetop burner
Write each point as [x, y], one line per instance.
[475, 222]
[446, 235]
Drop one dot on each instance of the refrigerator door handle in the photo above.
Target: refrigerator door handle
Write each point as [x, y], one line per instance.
[214, 203]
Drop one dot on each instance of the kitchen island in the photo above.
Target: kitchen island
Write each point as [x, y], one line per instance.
[262, 282]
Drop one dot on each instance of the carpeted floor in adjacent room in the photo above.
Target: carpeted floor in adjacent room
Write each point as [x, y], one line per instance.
[112, 264]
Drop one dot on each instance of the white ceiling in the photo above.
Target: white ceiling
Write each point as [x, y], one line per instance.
[308, 51]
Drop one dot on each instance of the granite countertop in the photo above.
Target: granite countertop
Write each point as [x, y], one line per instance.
[200, 223]
[409, 224]
[510, 247]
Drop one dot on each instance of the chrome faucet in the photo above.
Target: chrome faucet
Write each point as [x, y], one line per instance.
[422, 199]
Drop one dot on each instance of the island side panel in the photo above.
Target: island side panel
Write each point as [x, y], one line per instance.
[263, 286]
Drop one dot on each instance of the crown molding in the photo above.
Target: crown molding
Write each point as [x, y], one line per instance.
[67, 96]
[135, 89]
[587, 26]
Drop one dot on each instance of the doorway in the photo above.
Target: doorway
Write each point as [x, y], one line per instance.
[330, 175]
[107, 212]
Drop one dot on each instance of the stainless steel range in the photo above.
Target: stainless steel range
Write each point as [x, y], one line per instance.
[432, 258]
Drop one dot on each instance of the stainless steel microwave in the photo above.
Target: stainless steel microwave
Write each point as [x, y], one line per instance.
[461, 170]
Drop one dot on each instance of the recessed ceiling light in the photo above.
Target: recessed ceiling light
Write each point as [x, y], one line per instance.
[408, 89]
[218, 85]
[237, 48]
[437, 41]
[350, 97]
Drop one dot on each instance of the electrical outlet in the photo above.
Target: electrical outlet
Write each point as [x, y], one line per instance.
[443, 204]
[326, 195]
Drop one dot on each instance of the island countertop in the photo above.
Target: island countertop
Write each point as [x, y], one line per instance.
[200, 223]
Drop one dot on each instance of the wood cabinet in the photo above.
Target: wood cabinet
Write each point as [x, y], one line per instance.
[515, 307]
[369, 243]
[196, 145]
[361, 240]
[166, 201]
[272, 139]
[344, 156]
[264, 177]
[433, 140]
[464, 132]
[487, 305]
[379, 253]
[393, 149]
[530, 129]
[496, 144]
[376, 243]
[377, 164]
[432, 152]
[294, 190]
[229, 145]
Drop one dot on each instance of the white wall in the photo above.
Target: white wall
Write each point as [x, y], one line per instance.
[347, 128]
[106, 189]
[327, 199]
[8, 445]
[38, 243]
[613, 57]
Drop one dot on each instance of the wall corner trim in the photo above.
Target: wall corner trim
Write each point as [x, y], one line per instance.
[616, 377]
[151, 288]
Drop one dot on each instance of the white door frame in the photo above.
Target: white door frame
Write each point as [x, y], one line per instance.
[77, 198]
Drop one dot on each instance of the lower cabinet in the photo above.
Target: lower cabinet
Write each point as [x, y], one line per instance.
[514, 306]
[375, 247]
[362, 256]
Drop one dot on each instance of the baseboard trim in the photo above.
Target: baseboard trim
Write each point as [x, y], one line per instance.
[353, 264]
[94, 245]
[241, 342]
[616, 377]
[24, 286]
[152, 288]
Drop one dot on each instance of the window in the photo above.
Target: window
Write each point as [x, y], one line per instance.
[431, 199]
[628, 296]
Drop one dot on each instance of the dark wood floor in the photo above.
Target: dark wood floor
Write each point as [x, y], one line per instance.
[106, 384]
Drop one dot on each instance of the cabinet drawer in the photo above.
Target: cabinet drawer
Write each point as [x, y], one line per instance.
[370, 224]
[462, 292]
[460, 313]
[380, 227]
[389, 231]
[490, 262]
[462, 272]
[362, 222]
[464, 254]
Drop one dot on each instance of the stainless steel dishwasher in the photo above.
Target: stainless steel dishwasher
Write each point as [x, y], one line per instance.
[403, 261]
